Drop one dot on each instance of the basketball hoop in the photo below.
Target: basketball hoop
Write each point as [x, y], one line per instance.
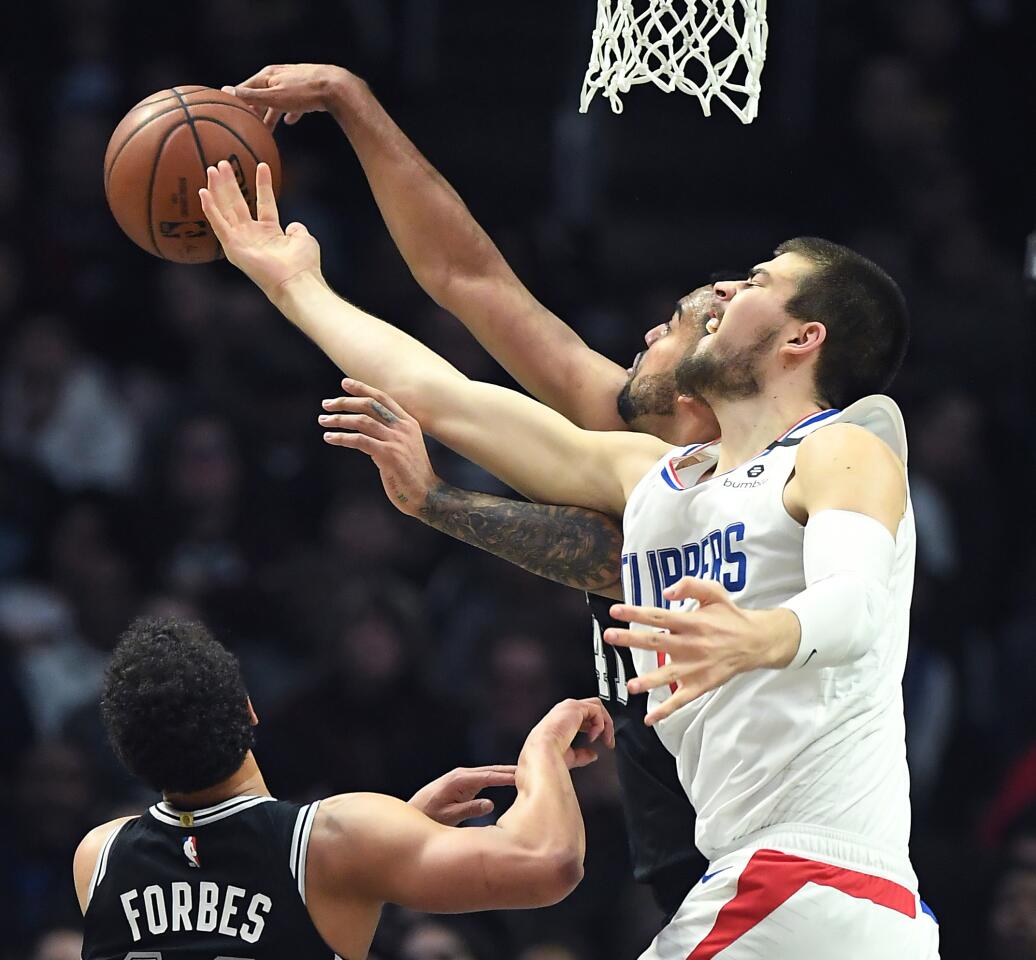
[708, 48]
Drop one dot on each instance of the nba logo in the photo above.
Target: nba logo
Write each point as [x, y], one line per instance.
[190, 851]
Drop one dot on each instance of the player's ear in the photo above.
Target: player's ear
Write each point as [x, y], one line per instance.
[806, 338]
[252, 714]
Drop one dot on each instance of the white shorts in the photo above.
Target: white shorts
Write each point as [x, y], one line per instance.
[787, 895]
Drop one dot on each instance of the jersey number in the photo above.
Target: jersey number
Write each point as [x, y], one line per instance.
[604, 682]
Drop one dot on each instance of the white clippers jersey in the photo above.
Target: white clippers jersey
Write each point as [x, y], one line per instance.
[807, 748]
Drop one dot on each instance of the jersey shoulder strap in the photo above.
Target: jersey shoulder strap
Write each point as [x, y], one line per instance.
[101, 865]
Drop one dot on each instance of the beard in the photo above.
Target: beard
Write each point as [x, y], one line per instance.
[716, 375]
[653, 394]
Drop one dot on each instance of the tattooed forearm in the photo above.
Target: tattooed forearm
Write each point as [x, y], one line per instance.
[570, 545]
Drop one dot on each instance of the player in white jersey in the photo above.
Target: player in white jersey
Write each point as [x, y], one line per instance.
[796, 763]
[815, 327]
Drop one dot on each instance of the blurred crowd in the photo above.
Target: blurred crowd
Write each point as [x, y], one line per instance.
[159, 450]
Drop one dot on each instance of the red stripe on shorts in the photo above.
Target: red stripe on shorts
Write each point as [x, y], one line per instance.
[770, 878]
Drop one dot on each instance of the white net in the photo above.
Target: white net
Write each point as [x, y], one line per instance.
[708, 48]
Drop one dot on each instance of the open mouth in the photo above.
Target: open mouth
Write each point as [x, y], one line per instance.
[714, 321]
[630, 371]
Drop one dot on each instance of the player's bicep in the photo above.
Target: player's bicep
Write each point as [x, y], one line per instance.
[845, 467]
[381, 850]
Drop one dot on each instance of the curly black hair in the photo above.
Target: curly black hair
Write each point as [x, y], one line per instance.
[175, 706]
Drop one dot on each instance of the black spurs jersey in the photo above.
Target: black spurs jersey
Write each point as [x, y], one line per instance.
[223, 883]
[659, 817]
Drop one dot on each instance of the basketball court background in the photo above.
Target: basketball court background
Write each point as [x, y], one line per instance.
[159, 451]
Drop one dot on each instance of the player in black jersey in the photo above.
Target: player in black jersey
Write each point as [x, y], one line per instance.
[219, 869]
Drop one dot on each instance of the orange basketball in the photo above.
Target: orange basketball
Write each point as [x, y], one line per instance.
[155, 164]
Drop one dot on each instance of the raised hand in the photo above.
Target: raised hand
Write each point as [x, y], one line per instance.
[268, 255]
[454, 797]
[705, 646]
[382, 429]
[290, 90]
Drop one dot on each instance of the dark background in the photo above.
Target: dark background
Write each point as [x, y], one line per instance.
[159, 449]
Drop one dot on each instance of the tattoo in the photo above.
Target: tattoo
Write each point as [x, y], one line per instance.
[382, 411]
[570, 545]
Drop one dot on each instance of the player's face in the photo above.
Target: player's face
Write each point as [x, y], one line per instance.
[650, 388]
[744, 325]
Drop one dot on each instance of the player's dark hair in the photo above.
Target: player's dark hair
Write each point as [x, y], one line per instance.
[174, 705]
[865, 315]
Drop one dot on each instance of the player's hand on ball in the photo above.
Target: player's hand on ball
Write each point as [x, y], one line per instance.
[372, 422]
[268, 255]
[290, 90]
[569, 718]
[705, 646]
[454, 797]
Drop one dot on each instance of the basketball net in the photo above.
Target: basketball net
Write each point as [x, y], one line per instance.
[708, 48]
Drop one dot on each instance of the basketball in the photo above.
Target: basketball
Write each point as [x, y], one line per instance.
[156, 161]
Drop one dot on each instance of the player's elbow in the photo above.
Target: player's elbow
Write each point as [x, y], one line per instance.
[531, 877]
[559, 873]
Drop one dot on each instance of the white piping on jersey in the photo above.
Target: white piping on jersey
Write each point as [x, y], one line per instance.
[300, 845]
[168, 814]
[101, 867]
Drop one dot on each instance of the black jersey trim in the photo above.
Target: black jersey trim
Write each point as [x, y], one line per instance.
[300, 845]
[168, 814]
[101, 867]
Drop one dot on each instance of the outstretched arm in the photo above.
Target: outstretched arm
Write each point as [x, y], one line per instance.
[530, 447]
[447, 251]
[373, 849]
[570, 545]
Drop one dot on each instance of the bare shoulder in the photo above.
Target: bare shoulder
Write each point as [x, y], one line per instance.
[846, 467]
[85, 859]
[845, 446]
